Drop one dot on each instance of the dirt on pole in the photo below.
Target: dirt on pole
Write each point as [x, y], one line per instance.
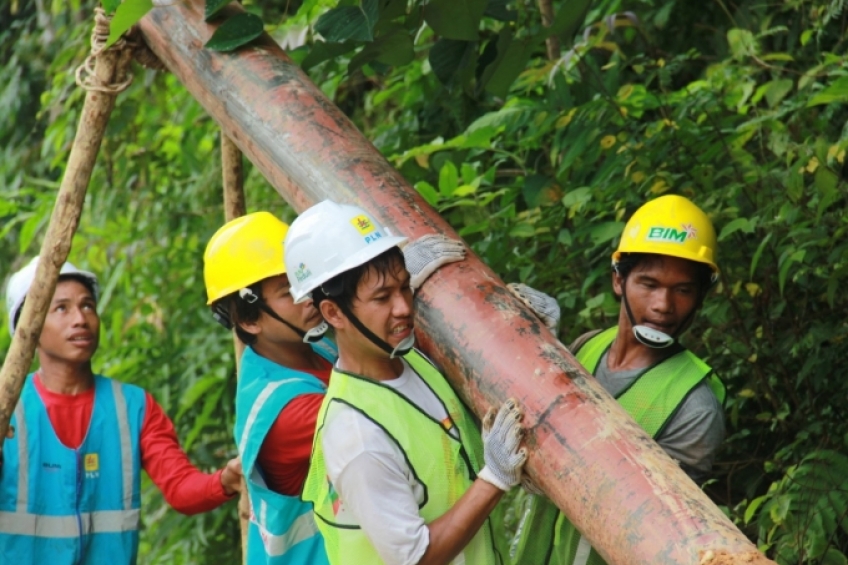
[619, 488]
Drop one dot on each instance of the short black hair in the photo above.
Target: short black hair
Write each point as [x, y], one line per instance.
[342, 288]
[84, 281]
[628, 261]
[241, 311]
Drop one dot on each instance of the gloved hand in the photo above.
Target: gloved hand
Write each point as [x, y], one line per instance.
[426, 254]
[544, 306]
[501, 437]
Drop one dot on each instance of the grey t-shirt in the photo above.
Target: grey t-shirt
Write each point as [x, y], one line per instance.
[693, 434]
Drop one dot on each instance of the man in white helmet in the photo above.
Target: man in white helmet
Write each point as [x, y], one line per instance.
[70, 481]
[399, 474]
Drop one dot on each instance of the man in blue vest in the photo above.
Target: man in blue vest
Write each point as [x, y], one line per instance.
[284, 372]
[70, 478]
[399, 473]
[662, 270]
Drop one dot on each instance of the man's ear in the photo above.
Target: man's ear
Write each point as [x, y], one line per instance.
[251, 327]
[617, 283]
[331, 312]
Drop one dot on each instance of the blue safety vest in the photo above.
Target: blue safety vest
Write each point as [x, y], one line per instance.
[281, 530]
[66, 506]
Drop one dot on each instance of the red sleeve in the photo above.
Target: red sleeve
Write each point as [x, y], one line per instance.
[284, 455]
[186, 489]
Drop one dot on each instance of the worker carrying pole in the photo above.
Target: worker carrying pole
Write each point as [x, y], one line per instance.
[399, 473]
[663, 269]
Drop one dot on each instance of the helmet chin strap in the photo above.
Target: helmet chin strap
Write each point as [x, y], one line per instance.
[404, 347]
[648, 337]
[313, 335]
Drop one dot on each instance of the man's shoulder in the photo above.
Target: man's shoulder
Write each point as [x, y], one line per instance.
[127, 389]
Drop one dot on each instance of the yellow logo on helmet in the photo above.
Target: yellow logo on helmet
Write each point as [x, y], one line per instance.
[362, 224]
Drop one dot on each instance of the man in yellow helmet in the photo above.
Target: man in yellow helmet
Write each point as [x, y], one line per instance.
[662, 270]
[283, 375]
[284, 371]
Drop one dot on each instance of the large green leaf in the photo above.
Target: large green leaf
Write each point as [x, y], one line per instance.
[322, 51]
[835, 92]
[568, 19]
[453, 19]
[349, 22]
[499, 10]
[213, 7]
[235, 32]
[394, 49]
[511, 59]
[110, 5]
[126, 16]
[448, 56]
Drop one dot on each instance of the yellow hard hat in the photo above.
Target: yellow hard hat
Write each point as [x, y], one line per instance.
[243, 252]
[670, 225]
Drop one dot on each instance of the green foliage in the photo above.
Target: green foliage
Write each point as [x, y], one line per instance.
[126, 15]
[235, 32]
[803, 515]
[537, 163]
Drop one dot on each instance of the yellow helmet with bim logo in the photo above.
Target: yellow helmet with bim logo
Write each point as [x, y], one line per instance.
[243, 252]
[670, 225]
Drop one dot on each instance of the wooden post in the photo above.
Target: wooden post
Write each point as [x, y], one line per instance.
[232, 169]
[110, 67]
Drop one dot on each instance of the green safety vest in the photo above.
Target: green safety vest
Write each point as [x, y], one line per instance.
[652, 399]
[444, 465]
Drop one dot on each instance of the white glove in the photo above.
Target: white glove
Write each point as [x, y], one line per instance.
[544, 306]
[501, 437]
[426, 254]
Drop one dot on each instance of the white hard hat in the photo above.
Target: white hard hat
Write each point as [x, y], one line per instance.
[20, 283]
[329, 239]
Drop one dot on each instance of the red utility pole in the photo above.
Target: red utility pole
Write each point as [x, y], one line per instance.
[618, 487]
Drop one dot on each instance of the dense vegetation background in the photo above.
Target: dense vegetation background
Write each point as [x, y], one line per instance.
[537, 153]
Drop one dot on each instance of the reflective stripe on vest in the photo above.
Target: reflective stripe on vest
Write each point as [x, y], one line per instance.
[282, 529]
[438, 460]
[75, 491]
[41, 526]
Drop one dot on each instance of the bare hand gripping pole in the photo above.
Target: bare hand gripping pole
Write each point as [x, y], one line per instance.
[620, 489]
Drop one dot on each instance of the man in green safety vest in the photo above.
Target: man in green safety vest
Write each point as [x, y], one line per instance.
[662, 270]
[399, 474]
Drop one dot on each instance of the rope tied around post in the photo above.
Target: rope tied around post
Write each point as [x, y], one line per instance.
[85, 76]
